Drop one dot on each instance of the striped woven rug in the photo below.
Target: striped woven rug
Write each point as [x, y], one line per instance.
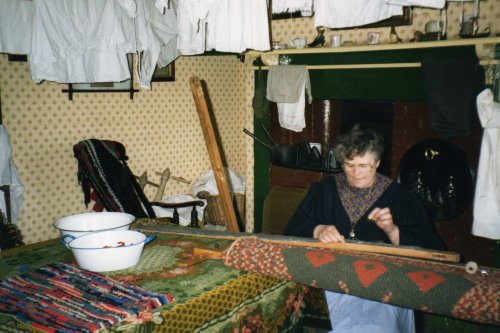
[63, 298]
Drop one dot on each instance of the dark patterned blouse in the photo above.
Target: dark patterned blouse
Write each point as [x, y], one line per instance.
[334, 202]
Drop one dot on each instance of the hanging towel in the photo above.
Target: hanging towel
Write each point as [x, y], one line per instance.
[9, 176]
[438, 4]
[487, 196]
[451, 87]
[352, 13]
[291, 115]
[286, 85]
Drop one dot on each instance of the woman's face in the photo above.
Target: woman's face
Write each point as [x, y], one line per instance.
[361, 170]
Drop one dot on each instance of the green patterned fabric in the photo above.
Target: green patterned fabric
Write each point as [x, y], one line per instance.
[208, 296]
[433, 287]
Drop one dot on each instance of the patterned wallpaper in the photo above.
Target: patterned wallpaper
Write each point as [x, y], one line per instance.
[159, 128]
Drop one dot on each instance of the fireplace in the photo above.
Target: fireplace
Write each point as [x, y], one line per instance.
[327, 119]
[404, 124]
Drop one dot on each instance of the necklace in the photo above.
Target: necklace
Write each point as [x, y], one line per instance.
[360, 196]
[357, 201]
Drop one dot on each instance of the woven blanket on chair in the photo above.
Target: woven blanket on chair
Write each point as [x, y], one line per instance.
[106, 179]
[63, 298]
[440, 288]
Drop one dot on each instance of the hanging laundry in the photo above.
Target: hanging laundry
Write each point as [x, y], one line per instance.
[9, 176]
[352, 13]
[129, 6]
[191, 23]
[287, 85]
[222, 25]
[85, 41]
[160, 46]
[487, 196]
[291, 6]
[80, 41]
[16, 23]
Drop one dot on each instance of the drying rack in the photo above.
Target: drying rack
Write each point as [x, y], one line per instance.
[485, 41]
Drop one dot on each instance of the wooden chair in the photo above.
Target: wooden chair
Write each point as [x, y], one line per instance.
[106, 179]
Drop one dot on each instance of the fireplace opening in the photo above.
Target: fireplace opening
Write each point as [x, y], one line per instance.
[377, 115]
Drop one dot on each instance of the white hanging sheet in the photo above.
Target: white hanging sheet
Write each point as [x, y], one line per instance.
[487, 195]
[9, 176]
[85, 41]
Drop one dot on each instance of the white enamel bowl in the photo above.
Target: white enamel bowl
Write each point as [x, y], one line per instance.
[106, 251]
[82, 224]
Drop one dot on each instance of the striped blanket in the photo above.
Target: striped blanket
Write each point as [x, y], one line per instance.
[62, 298]
[106, 179]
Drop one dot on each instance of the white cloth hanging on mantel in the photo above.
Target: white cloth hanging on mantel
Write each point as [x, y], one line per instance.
[287, 86]
[487, 195]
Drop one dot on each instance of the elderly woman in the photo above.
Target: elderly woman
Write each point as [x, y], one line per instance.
[361, 204]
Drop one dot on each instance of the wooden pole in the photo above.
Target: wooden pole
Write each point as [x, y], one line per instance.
[214, 153]
[380, 248]
[399, 251]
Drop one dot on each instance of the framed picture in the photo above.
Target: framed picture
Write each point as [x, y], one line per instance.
[164, 74]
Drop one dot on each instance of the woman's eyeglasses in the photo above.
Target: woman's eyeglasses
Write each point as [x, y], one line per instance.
[349, 167]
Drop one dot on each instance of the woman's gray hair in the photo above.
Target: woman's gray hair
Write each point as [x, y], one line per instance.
[357, 142]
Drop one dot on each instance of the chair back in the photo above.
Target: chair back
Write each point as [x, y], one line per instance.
[279, 206]
[106, 178]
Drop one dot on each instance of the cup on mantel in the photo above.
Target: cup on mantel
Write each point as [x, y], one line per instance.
[372, 38]
[335, 41]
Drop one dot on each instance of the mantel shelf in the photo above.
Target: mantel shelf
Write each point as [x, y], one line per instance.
[383, 47]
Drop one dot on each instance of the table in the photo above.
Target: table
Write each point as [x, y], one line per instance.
[208, 296]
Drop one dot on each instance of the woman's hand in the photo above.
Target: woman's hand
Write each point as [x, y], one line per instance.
[328, 234]
[383, 218]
